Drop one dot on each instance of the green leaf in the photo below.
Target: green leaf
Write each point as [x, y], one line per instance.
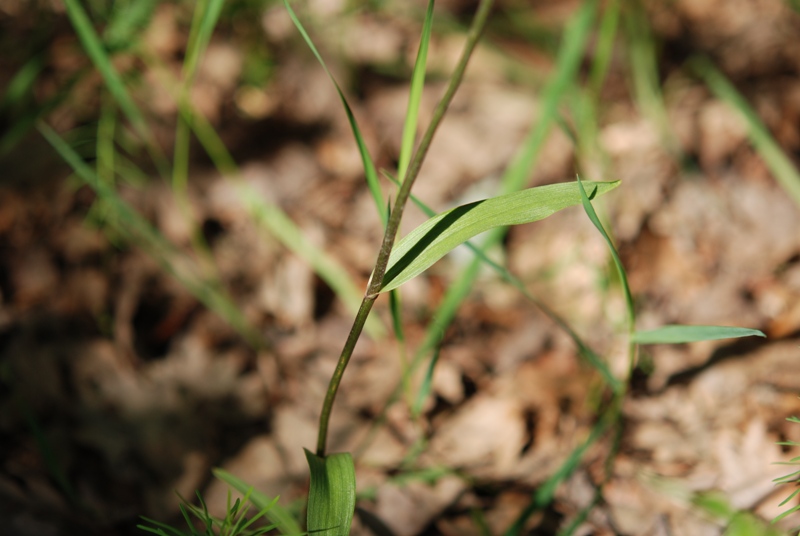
[432, 240]
[679, 334]
[276, 514]
[415, 95]
[332, 494]
[623, 278]
[781, 166]
[100, 58]
[129, 223]
[366, 160]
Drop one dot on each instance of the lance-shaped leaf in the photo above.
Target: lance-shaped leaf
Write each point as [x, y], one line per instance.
[432, 240]
[680, 334]
[332, 494]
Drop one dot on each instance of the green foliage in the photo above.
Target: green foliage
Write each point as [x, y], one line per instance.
[432, 240]
[792, 478]
[331, 494]
[96, 51]
[738, 523]
[415, 95]
[235, 522]
[683, 334]
[366, 159]
[282, 519]
[779, 164]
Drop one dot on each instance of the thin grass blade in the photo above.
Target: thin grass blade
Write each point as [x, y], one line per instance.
[429, 242]
[779, 164]
[207, 13]
[623, 278]
[677, 334]
[332, 494]
[415, 95]
[366, 159]
[130, 223]
[21, 85]
[161, 527]
[276, 514]
[605, 46]
[271, 218]
[97, 53]
[544, 495]
[127, 19]
[425, 388]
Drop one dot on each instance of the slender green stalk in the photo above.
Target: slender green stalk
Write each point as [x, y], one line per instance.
[374, 287]
[416, 163]
[336, 379]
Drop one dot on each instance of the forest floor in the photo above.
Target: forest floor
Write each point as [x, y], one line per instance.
[119, 387]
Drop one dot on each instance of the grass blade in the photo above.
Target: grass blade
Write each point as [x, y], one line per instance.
[366, 159]
[332, 494]
[270, 217]
[429, 242]
[97, 53]
[206, 15]
[544, 495]
[676, 334]
[779, 164]
[623, 278]
[127, 19]
[569, 59]
[415, 95]
[605, 46]
[130, 223]
[276, 514]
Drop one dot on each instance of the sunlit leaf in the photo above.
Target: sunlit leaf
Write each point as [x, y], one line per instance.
[332, 494]
[432, 240]
[676, 334]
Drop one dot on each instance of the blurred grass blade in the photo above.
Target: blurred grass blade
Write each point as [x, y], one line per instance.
[545, 493]
[569, 59]
[206, 15]
[425, 389]
[623, 278]
[778, 163]
[131, 224]
[415, 95]
[680, 334]
[21, 85]
[127, 19]
[267, 216]
[276, 514]
[49, 455]
[366, 159]
[429, 242]
[643, 57]
[281, 226]
[605, 46]
[97, 53]
[331, 494]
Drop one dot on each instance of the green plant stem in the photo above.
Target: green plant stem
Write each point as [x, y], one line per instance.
[374, 286]
[336, 379]
[416, 163]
